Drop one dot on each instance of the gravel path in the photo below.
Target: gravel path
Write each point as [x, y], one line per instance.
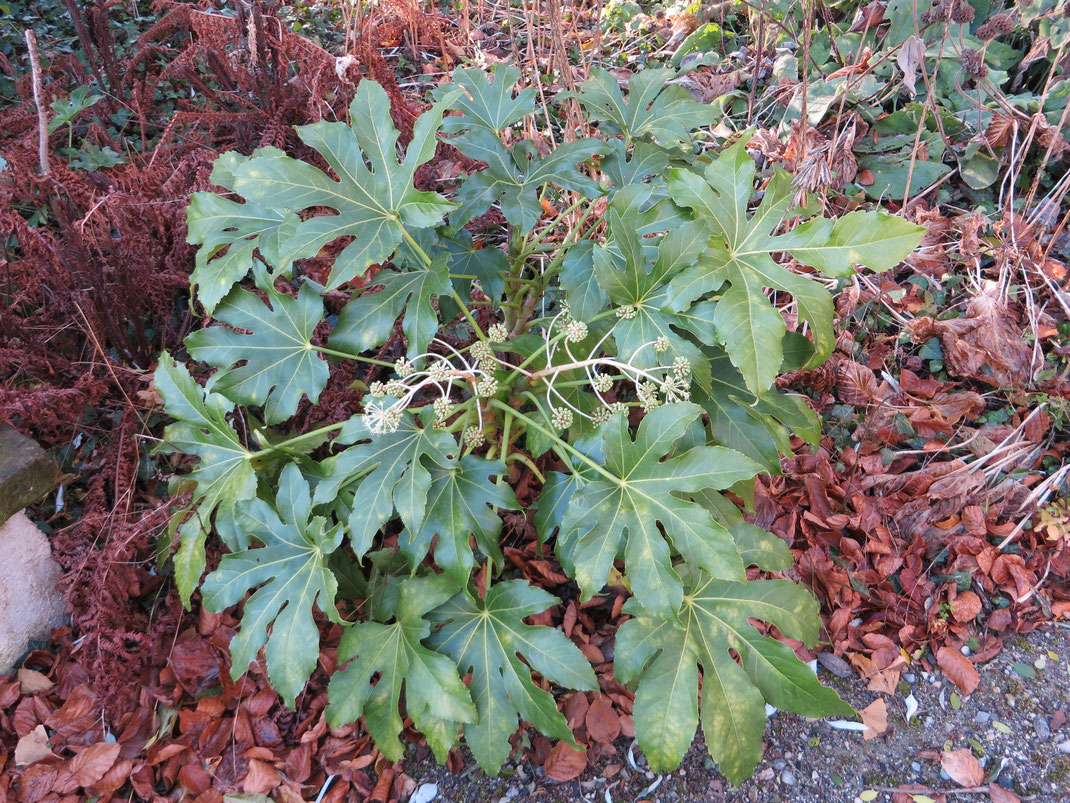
[1014, 723]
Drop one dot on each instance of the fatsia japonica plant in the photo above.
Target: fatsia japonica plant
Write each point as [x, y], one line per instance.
[604, 317]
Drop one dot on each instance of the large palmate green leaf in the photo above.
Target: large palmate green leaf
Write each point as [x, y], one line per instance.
[634, 275]
[366, 322]
[385, 474]
[279, 363]
[514, 177]
[373, 205]
[291, 570]
[214, 222]
[435, 698]
[642, 488]
[654, 108]
[488, 637]
[462, 503]
[486, 103]
[740, 255]
[665, 657]
[223, 475]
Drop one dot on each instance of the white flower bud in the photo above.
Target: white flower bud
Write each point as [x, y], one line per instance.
[627, 312]
[497, 333]
[404, 368]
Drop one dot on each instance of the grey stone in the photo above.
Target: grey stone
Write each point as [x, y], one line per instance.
[914, 765]
[30, 603]
[1040, 725]
[910, 677]
[27, 473]
[787, 778]
[779, 764]
[981, 717]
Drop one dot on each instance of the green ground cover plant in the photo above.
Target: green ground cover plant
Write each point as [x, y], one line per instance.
[615, 331]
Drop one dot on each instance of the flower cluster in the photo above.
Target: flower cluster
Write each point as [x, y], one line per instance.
[440, 376]
[652, 386]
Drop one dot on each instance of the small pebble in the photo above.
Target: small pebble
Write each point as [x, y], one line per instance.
[929, 722]
[910, 677]
[914, 765]
[944, 775]
[965, 650]
[779, 764]
[1040, 725]
[982, 717]
[787, 778]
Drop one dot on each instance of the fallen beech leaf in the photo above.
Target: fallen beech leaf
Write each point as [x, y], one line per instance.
[958, 668]
[962, 767]
[966, 606]
[565, 762]
[262, 778]
[875, 718]
[32, 747]
[89, 766]
[1000, 795]
[31, 681]
[603, 724]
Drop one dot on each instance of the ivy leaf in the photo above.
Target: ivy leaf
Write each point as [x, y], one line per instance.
[292, 572]
[462, 502]
[641, 489]
[435, 698]
[367, 322]
[373, 205]
[665, 656]
[654, 108]
[223, 476]
[280, 364]
[384, 475]
[214, 222]
[514, 177]
[486, 104]
[488, 638]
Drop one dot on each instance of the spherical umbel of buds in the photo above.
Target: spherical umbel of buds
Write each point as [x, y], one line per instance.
[487, 387]
[575, 331]
[561, 418]
[661, 344]
[473, 437]
[497, 333]
[483, 354]
[404, 368]
[627, 312]
[602, 382]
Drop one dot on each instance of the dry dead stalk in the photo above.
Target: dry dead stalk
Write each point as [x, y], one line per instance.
[38, 100]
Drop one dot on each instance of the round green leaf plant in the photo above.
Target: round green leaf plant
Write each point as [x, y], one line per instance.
[610, 328]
